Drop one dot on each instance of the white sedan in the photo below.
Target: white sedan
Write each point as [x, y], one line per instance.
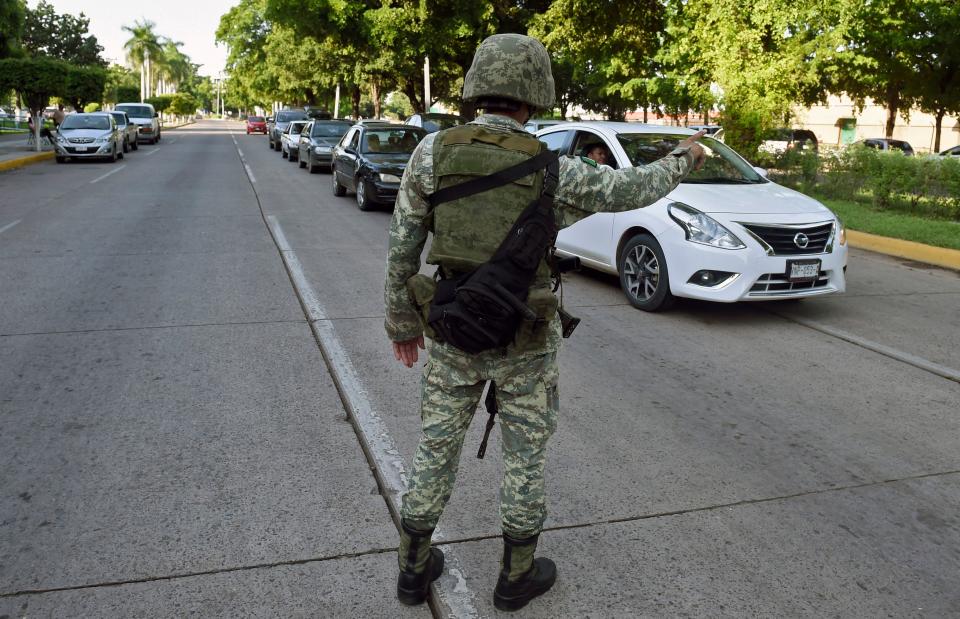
[726, 233]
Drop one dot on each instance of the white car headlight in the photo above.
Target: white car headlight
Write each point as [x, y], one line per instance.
[701, 228]
[102, 139]
[61, 139]
[841, 232]
[389, 178]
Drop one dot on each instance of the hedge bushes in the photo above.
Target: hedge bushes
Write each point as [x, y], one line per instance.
[923, 185]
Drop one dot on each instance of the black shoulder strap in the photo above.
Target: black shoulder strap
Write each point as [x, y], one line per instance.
[497, 179]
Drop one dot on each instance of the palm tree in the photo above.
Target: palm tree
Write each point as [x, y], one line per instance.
[141, 47]
[175, 67]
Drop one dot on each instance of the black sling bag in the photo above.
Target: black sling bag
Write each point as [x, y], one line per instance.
[482, 309]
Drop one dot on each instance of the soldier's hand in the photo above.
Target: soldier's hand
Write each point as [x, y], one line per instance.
[699, 155]
[406, 352]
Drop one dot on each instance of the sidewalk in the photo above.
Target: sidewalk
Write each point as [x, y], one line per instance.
[14, 152]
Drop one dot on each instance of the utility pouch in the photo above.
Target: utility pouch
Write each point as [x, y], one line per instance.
[532, 334]
[422, 289]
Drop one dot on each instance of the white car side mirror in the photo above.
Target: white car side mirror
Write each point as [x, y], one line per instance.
[761, 171]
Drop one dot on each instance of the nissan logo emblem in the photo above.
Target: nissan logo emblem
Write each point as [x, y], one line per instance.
[801, 240]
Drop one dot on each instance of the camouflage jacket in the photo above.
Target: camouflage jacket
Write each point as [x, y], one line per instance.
[584, 189]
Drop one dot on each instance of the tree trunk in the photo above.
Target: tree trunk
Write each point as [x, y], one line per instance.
[375, 95]
[355, 97]
[644, 114]
[706, 115]
[936, 134]
[893, 106]
[411, 91]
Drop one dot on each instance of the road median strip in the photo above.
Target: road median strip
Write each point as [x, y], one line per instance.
[939, 256]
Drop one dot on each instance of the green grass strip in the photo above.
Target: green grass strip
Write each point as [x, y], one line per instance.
[861, 217]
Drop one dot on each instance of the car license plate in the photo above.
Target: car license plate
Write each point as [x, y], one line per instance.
[803, 270]
[80, 149]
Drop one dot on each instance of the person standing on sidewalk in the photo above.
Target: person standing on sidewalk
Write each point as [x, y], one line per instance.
[510, 79]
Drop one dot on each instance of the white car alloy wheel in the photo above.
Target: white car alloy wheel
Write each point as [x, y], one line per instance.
[643, 274]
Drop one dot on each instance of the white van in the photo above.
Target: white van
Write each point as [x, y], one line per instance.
[145, 117]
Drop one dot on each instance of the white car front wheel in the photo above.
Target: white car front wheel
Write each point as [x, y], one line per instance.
[643, 274]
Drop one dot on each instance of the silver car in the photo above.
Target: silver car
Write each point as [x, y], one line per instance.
[82, 136]
[129, 130]
[290, 138]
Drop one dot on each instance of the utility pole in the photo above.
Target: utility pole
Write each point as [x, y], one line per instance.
[426, 84]
[218, 94]
[336, 102]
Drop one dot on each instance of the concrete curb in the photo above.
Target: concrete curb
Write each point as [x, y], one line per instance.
[19, 162]
[939, 256]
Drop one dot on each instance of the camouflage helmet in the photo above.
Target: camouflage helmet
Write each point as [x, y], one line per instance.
[511, 66]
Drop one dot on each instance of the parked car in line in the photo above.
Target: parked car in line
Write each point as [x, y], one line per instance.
[434, 122]
[279, 125]
[886, 144]
[95, 135]
[779, 141]
[370, 160]
[256, 124]
[726, 233]
[129, 130]
[536, 124]
[317, 141]
[146, 119]
[951, 152]
[290, 138]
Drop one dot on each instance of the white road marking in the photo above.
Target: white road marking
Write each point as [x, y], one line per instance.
[113, 171]
[887, 351]
[451, 588]
[9, 225]
[155, 150]
[243, 159]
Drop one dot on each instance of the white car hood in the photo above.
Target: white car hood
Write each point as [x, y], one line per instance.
[84, 133]
[765, 198]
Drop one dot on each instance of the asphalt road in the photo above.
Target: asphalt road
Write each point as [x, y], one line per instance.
[200, 414]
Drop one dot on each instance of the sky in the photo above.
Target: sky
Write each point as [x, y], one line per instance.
[192, 22]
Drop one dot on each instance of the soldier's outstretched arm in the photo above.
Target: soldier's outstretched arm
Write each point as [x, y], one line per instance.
[408, 234]
[585, 188]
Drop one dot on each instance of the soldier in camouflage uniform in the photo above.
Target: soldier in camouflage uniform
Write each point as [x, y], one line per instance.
[510, 78]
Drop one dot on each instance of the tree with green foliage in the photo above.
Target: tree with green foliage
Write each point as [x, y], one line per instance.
[65, 37]
[244, 30]
[878, 59]
[182, 104]
[610, 46]
[937, 87]
[763, 60]
[12, 17]
[143, 47]
[83, 85]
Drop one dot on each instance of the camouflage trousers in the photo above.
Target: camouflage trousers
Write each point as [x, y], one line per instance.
[527, 399]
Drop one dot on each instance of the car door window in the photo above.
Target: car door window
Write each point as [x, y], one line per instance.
[586, 140]
[555, 141]
[355, 140]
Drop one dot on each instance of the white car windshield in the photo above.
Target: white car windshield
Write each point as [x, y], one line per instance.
[722, 165]
[79, 121]
[136, 111]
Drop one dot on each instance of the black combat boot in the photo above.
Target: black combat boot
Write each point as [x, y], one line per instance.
[420, 564]
[522, 577]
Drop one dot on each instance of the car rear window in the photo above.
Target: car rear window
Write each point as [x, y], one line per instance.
[283, 117]
[330, 130]
[391, 140]
[136, 111]
[255, 119]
